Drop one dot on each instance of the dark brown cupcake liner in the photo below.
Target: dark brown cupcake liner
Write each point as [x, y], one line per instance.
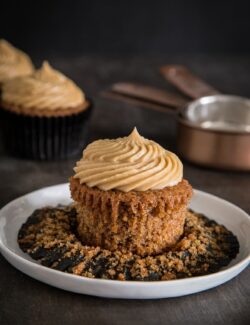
[45, 138]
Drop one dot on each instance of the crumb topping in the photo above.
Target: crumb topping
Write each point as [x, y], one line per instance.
[49, 235]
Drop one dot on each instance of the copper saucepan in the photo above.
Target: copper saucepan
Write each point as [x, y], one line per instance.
[213, 129]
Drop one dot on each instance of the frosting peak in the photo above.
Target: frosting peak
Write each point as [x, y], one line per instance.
[13, 62]
[135, 136]
[129, 163]
[47, 74]
[7, 51]
[46, 88]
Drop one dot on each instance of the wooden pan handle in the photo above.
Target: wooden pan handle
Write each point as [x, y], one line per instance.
[148, 94]
[136, 102]
[186, 81]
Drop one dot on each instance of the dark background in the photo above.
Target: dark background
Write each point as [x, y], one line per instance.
[126, 27]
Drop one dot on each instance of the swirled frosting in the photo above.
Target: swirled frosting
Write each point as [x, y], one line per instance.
[129, 163]
[13, 62]
[46, 88]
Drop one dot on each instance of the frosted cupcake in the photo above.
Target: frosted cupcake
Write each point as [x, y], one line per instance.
[46, 113]
[130, 195]
[13, 62]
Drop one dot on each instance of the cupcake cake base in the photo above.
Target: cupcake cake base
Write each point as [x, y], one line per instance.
[144, 223]
[50, 236]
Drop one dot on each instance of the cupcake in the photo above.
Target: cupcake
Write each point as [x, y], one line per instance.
[46, 115]
[13, 62]
[130, 195]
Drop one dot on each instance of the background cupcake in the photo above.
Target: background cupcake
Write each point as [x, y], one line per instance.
[46, 115]
[13, 62]
[130, 195]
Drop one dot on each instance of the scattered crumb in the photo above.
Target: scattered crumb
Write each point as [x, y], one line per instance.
[49, 235]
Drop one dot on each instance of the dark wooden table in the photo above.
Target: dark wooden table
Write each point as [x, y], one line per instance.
[27, 301]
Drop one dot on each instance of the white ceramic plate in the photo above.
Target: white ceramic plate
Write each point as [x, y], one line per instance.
[17, 211]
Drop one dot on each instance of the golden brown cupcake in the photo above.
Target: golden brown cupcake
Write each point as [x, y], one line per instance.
[130, 195]
[13, 62]
[46, 113]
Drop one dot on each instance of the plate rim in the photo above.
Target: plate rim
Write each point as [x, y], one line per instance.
[132, 283]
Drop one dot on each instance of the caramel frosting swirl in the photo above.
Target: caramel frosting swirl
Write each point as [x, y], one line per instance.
[129, 163]
[13, 62]
[46, 88]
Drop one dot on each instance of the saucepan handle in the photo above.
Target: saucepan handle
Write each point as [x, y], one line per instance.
[149, 94]
[188, 83]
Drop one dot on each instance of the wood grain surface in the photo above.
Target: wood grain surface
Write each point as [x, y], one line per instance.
[27, 301]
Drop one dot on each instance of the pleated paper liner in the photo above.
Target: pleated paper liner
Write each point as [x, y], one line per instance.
[45, 138]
